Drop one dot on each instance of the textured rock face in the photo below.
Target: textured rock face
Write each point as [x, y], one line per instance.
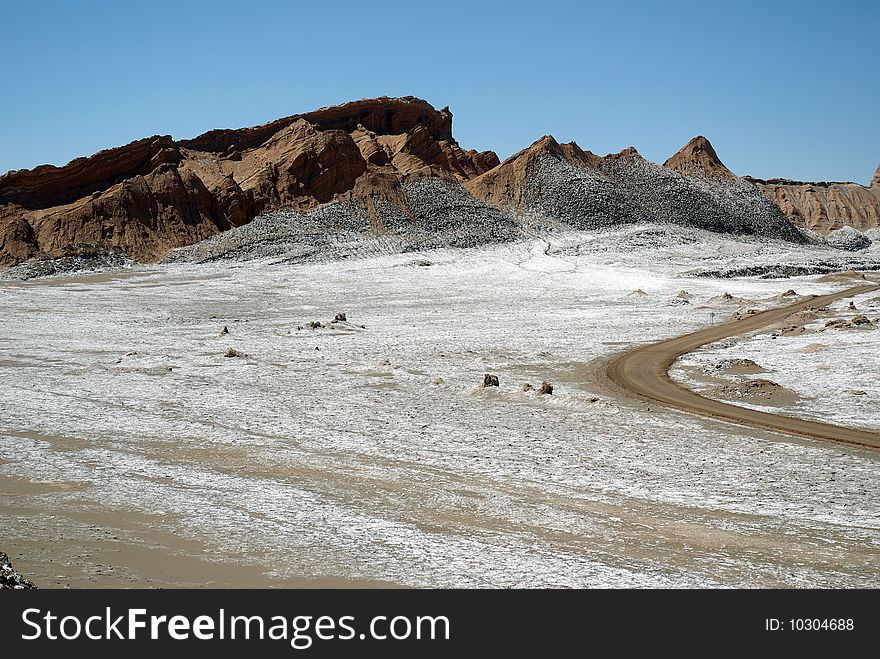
[301, 163]
[825, 207]
[156, 194]
[17, 241]
[141, 215]
[10, 578]
[46, 186]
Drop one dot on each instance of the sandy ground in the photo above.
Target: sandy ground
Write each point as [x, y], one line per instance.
[122, 548]
[133, 453]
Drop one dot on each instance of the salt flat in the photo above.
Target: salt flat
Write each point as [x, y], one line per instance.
[371, 454]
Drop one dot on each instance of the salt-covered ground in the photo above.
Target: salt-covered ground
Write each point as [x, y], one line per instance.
[371, 453]
[832, 371]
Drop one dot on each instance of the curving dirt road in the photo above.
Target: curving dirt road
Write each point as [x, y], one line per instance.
[645, 371]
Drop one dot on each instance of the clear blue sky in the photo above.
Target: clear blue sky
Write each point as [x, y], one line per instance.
[786, 89]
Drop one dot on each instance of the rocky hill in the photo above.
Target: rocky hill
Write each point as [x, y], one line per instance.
[156, 194]
[382, 168]
[553, 181]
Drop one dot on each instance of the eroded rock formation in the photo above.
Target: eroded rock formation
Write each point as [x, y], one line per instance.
[156, 194]
[826, 206]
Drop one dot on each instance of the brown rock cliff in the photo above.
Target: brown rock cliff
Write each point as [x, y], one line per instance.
[825, 206]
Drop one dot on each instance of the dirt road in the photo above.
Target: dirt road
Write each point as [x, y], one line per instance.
[645, 371]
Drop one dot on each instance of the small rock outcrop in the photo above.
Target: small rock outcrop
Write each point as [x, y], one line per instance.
[490, 380]
[738, 366]
[11, 579]
[758, 389]
[17, 240]
[545, 388]
[848, 239]
[860, 321]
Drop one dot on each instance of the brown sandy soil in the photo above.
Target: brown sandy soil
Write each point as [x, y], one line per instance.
[112, 563]
[96, 547]
[814, 347]
[845, 277]
[645, 373]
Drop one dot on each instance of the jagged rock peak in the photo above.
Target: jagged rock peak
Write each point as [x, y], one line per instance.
[545, 144]
[698, 158]
[875, 182]
[548, 144]
[575, 153]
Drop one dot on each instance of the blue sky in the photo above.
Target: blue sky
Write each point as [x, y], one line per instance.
[787, 89]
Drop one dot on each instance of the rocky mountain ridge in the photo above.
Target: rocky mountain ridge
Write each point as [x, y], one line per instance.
[388, 166]
[552, 181]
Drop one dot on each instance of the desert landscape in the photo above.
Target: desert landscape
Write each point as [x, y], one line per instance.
[340, 349]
